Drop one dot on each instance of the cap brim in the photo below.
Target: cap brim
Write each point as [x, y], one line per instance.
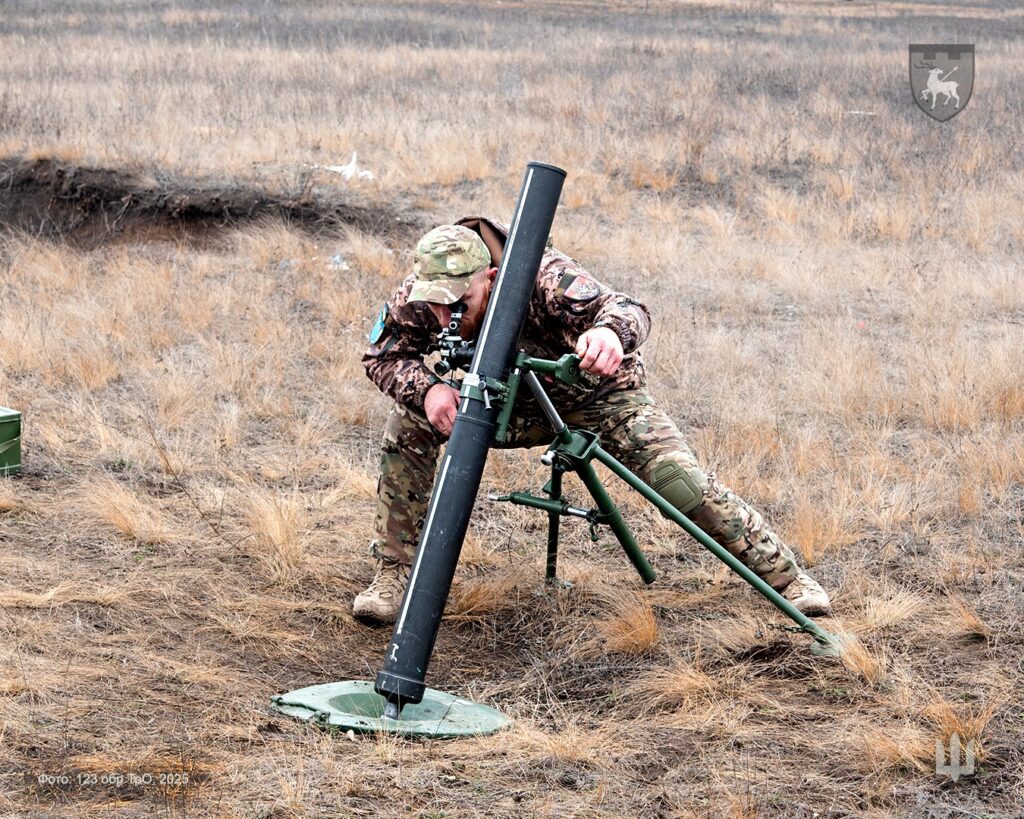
[446, 291]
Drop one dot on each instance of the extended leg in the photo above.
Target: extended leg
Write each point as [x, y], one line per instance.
[648, 443]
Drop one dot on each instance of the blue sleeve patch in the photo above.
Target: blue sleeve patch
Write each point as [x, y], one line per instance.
[377, 331]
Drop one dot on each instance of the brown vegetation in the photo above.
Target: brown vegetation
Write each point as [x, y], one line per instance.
[185, 292]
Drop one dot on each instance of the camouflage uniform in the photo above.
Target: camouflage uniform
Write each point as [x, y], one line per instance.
[566, 303]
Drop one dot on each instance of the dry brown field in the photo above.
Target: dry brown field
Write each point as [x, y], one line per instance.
[185, 291]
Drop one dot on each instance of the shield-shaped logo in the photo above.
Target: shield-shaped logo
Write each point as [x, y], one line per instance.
[941, 78]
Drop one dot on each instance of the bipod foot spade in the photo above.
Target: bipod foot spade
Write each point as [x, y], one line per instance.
[827, 644]
[354, 706]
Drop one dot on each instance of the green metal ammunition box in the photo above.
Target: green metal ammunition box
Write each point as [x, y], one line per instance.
[10, 441]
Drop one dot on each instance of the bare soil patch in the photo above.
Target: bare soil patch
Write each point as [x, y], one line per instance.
[89, 205]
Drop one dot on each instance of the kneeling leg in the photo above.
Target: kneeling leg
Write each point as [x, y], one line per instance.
[648, 442]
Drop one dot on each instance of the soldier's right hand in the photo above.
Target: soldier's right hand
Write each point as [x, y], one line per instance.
[441, 404]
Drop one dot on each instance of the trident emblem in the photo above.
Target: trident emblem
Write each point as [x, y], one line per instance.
[954, 770]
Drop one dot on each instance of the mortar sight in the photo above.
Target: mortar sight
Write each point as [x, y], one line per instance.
[456, 352]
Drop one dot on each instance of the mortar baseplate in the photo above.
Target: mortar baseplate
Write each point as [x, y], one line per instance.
[354, 705]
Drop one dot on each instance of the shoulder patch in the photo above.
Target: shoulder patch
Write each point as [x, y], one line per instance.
[377, 331]
[581, 288]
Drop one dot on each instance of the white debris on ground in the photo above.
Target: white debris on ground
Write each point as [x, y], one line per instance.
[349, 171]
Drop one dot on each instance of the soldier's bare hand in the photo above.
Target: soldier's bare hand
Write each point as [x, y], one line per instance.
[441, 405]
[600, 350]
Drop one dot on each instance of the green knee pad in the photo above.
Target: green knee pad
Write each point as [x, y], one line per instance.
[675, 485]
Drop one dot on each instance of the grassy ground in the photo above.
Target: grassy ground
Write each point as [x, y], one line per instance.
[839, 325]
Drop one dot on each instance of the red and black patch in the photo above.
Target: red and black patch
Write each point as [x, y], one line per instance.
[578, 287]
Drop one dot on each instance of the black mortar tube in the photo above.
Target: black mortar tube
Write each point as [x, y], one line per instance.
[400, 681]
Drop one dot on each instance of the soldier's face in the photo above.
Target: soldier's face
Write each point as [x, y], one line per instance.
[475, 299]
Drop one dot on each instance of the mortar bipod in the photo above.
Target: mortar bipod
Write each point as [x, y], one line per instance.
[573, 451]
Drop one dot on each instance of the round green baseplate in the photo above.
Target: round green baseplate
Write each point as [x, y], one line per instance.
[354, 705]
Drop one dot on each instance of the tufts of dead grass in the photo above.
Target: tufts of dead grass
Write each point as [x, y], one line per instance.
[681, 685]
[92, 365]
[897, 608]
[895, 747]
[479, 550]
[969, 721]
[178, 393]
[10, 498]
[277, 523]
[273, 245]
[823, 526]
[483, 597]
[351, 483]
[372, 257]
[870, 666]
[964, 620]
[66, 593]
[12, 687]
[571, 742]
[133, 516]
[626, 625]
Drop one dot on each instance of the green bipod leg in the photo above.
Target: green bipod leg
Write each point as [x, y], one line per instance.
[555, 493]
[613, 517]
[826, 643]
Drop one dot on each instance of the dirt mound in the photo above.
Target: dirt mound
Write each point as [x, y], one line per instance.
[51, 198]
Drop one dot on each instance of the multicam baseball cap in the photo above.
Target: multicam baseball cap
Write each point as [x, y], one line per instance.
[446, 259]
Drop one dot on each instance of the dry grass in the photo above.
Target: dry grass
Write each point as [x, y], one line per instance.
[64, 594]
[571, 743]
[823, 525]
[837, 300]
[276, 537]
[970, 723]
[692, 690]
[627, 624]
[894, 609]
[10, 498]
[965, 620]
[897, 747]
[484, 597]
[867, 664]
[112, 504]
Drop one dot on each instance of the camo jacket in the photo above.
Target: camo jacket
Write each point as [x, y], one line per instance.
[566, 302]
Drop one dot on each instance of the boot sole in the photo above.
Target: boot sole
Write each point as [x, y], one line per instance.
[373, 619]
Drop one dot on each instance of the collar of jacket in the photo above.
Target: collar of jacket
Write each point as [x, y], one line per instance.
[491, 231]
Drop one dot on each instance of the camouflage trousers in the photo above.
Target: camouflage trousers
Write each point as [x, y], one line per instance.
[632, 428]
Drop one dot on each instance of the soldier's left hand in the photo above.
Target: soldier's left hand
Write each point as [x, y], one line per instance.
[600, 350]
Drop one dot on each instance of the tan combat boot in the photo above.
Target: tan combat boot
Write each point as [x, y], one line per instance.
[807, 596]
[382, 598]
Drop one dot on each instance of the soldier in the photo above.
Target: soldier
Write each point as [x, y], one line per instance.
[569, 311]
